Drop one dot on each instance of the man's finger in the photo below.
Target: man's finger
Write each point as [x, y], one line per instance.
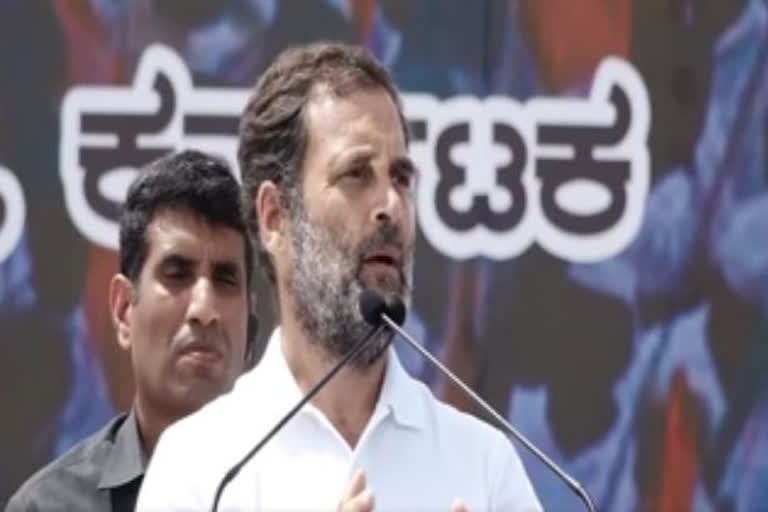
[459, 506]
[363, 502]
[356, 486]
[357, 498]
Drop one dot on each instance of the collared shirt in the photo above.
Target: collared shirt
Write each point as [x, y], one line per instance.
[418, 453]
[102, 472]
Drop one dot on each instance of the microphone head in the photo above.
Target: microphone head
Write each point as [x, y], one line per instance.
[395, 310]
[372, 306]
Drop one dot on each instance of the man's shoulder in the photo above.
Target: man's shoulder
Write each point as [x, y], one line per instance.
[451, 421]
[78, 468]
[194, 453]
[478, 444]
[224, 417]
[469, 435]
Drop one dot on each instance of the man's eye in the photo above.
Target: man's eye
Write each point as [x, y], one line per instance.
[356, 173]
[173, 271]
[403, 179]
[175, 274]
[229, 280]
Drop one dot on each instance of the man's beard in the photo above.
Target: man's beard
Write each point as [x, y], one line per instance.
[326, 285]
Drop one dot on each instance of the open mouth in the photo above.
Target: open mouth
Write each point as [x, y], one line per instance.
[389, 256]
[382, 259]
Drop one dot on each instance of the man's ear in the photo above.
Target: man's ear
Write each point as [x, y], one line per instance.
[270, 217]
[121, 299]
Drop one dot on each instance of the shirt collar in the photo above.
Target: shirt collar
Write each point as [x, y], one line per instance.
[127, 460]
[399, 391]
[402, 394]
[275, 372]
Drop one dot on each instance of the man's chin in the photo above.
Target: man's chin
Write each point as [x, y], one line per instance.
[374, 352]
[388, 285]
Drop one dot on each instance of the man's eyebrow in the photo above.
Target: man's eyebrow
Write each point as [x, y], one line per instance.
[405, 164]
[359, 156]
[228, 266]
[176, 259]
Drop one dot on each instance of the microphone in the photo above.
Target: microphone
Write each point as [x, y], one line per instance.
[393, 316]
[373, 309]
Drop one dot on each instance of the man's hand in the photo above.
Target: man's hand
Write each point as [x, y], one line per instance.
[459, 506]
[357, 498]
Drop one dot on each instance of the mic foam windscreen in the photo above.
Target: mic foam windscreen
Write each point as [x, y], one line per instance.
[396, 310]
[372, 306]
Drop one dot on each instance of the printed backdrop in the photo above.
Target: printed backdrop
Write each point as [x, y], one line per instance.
[592, 211]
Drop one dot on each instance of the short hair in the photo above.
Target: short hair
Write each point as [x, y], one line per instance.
[273, 130]
[191, 180]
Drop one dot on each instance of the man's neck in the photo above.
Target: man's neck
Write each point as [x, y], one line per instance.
[150, 426]
[349, 398]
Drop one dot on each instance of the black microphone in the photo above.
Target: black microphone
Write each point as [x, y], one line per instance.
[394, 314]
[372, 307]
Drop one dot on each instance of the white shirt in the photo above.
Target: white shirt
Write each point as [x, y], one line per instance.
[417, 453]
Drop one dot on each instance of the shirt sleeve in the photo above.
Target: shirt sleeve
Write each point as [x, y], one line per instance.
[511, 489]
[21, 502]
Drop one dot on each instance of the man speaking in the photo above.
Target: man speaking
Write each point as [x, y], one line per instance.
[324, 157]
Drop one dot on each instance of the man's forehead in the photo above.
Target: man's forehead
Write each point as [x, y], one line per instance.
[324, 101]
[186, 233]
[363, 118]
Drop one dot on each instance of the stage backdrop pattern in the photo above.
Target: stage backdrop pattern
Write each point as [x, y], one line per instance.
[592, 207]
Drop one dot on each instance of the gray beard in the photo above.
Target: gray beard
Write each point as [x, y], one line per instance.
[325, 285]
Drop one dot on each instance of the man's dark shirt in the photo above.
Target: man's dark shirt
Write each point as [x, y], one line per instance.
[102, 472]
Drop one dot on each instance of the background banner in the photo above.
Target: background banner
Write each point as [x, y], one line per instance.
[592, 212]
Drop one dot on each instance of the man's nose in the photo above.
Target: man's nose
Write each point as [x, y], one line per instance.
[390, 205]
[202, 303]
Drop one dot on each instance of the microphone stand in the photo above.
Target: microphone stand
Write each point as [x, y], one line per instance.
[572, 483]
[354, 352]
